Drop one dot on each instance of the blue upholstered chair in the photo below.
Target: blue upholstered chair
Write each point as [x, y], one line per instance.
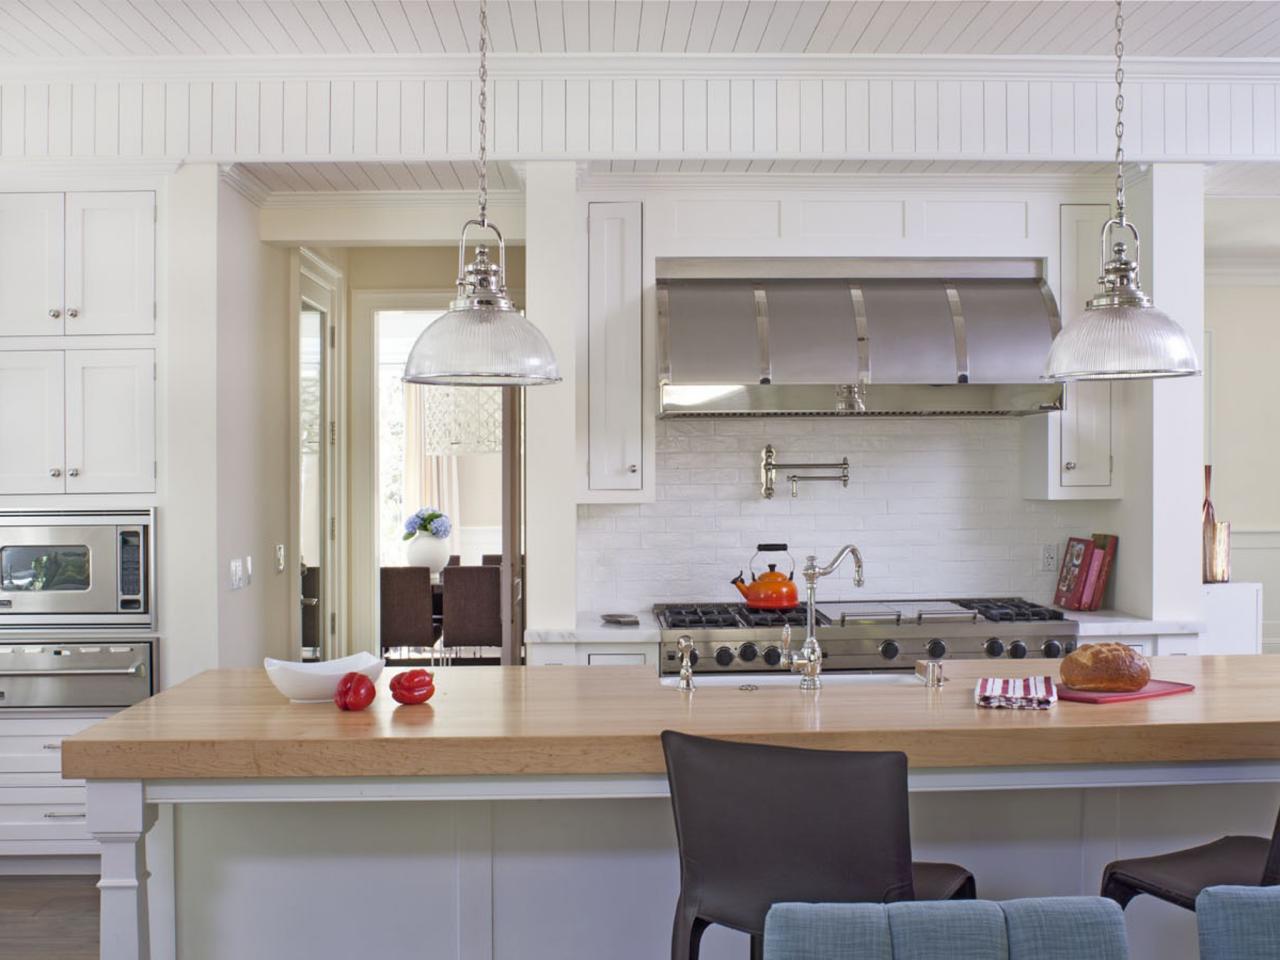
[1058, 928]
[1239, 923]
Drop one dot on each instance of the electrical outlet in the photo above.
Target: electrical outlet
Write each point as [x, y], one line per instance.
[237, 574]
[279, 558]
[1049, 558]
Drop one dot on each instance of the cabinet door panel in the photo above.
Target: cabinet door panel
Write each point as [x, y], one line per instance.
[1086, 435]
[110, 421]
[614, 334]
[110, 263]
[31, 422]
[30, 264]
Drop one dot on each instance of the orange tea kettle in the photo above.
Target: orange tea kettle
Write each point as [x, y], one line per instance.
[771, 590]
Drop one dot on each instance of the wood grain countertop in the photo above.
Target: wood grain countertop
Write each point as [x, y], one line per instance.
[606, 720]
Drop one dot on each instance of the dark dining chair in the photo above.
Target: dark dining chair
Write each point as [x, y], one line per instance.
[405, 614]
[454, 560]
[841, 833]
[491, 559]
[1179, 877]
[472, 606]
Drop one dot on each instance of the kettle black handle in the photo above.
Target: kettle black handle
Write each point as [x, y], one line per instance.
[771, 548]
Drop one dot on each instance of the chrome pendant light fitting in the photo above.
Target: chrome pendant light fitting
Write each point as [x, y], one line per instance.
[1120, 335]
[483, 340]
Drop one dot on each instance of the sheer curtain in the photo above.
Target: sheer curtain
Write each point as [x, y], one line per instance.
[430, 480]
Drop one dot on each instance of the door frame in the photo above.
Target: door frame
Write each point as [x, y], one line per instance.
[313, 279]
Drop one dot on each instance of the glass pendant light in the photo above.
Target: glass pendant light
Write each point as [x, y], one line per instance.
[483, 340]
[1120, 335]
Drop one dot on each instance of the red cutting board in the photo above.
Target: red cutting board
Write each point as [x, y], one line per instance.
[1154, 688]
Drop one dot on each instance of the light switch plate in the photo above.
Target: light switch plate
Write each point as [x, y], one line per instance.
[237, 573]
[279, 558]
[248, 570]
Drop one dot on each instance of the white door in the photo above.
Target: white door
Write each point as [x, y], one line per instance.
[111, 270]
[30, 264]
[1086, 455]
[111, 435]
[31, 421]
[615, 391]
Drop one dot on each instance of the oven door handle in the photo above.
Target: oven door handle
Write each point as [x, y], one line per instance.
[133, 671]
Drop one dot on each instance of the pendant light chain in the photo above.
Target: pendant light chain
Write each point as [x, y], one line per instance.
[484, 110]
[1119, 48]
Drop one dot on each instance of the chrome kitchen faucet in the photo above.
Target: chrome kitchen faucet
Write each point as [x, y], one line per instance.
[808, 662]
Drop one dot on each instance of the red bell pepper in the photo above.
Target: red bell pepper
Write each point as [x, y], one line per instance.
[355, 692]
[413, 686]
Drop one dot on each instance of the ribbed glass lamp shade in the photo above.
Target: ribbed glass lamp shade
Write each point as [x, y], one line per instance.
[1121, 343]
[484, 346]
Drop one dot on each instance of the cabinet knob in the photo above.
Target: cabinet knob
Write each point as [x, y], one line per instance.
[1069, 465]
[73, 313]
[633, 469]
[73, 472]
[55, 313]
[55, 472]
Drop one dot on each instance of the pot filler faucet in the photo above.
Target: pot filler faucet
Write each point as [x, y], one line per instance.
[808, 661]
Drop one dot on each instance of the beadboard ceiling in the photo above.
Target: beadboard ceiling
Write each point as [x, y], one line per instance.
[274, 28]
[327, 177]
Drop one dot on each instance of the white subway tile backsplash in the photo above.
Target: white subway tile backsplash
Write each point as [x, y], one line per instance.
[934, 505]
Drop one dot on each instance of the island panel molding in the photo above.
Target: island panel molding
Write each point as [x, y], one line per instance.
[587, 108]
[503, 721]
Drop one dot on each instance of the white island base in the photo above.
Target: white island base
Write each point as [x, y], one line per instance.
[551, 868]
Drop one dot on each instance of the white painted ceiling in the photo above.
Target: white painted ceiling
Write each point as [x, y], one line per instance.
[271, 28]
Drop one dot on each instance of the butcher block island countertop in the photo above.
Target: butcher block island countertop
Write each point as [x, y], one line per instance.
[487, 721]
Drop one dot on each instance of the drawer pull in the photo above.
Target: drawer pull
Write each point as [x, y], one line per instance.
[132, 671]
[52, 746]
[53, 815]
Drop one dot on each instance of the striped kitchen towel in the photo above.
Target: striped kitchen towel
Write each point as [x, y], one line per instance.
[1018, 693]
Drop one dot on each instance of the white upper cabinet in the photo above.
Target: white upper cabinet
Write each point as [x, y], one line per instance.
[31, 246]
[615, 361]
[1072, 455]
[110, 421]
[110, 269]
[31, 410]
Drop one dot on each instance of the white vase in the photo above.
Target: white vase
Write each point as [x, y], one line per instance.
[424, 550]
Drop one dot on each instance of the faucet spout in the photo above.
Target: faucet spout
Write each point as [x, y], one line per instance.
[808, 662]
[848, 550]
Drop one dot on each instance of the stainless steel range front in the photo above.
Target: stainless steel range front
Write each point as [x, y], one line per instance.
[863, 635]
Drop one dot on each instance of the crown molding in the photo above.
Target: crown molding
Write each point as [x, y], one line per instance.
[244, 183]
[536, 66]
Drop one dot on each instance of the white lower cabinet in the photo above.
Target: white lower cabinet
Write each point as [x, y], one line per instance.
[31, 422]
[41, 813]
[77, 421]
[592, 655]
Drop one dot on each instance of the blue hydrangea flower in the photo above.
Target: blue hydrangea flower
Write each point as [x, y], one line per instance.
[440, 527]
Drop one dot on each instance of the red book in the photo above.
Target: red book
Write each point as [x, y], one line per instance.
[1074, 572]
[1091, 579]
[1106, 543]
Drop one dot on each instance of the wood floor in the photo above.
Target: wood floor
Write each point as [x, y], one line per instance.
[48, 918]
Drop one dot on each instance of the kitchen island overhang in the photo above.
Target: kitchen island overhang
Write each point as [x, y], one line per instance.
[576, 734]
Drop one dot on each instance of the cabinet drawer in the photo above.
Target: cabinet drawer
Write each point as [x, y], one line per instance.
[12, 797]
[46, 728]
[44, 822]
[29, 764]
[34, 778]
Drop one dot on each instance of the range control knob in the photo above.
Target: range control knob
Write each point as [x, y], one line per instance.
[772, 656]
[724, 656]
[1052, 649]
[994, 647]
[748, 652]
[1017, 649]
[936, 649]
[890, 650]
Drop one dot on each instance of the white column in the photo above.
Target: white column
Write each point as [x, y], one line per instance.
[555, 291]
[1162, 422]
[119, 819]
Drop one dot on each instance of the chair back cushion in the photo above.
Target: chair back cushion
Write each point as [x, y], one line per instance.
[1238, 923]
[840, 827]
[405, 607]
[1060, 928]
[472, 606]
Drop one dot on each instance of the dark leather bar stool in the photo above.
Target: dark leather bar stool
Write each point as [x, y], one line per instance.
[758, 825]
[1179, 877]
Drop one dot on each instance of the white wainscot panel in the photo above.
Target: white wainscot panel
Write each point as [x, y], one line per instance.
[699, 219]
[853, 218]
[975, 218]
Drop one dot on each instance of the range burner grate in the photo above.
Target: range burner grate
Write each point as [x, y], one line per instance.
[698, 616]
[796, 617]
[1010, 610]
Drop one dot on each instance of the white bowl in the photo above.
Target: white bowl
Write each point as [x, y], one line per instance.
[317, 682]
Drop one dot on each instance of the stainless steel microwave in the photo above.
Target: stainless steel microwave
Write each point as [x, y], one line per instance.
[77, 569]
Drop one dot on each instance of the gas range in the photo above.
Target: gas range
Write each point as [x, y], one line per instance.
[864, 634]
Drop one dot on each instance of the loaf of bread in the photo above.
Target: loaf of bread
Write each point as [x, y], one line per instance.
[1105, 668]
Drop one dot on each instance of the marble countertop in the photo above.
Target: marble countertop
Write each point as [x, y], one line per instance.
[590, 629]
[1117, 623]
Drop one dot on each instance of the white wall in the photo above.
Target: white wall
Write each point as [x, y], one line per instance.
[933, 504]
[252, 434]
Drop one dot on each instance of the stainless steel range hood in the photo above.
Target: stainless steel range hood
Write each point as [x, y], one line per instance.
[854, 337]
